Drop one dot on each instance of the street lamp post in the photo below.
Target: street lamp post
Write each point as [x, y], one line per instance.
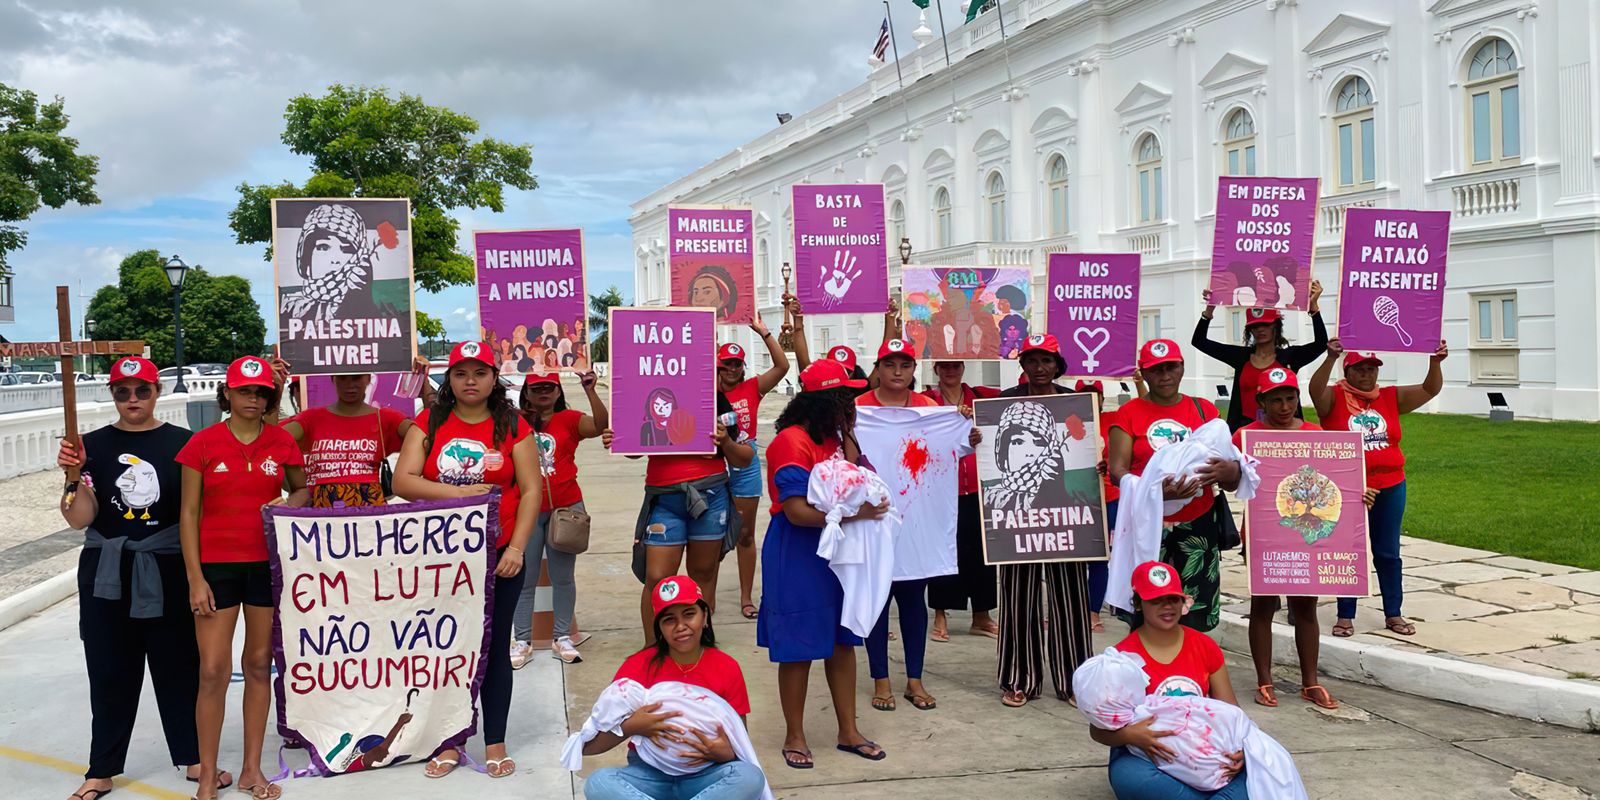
[88, 361]
[176, 270]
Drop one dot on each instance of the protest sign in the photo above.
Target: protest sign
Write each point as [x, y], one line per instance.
[1093, 310]
[1262, 244]
[533, 306]
[382, 627]
[712, 254]
[1391, 295]
[973, 313]
[663, 380]
[383, 391]
[344, 296]
[1041, 496]
[841, 258]
[1306, 527]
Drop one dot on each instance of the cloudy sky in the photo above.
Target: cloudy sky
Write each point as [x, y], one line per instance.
[182, 100]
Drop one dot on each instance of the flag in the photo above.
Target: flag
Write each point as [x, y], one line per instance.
[922, 4]
[882, 46]
[976, 7]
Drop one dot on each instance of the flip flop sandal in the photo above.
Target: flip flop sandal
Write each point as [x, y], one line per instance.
[1403, 627]
[861, 749]
[923, 702]
[94, 794]
[795, 764]
[939, 635]
[221, 782]
[1318, 694]
[749, 610]
[1344, 629]
[1014, 699]
[449, 765]
[269, 791]
[983, 632]
[494, 767]
[1098, 627]
[881, 703]
[1267, 695]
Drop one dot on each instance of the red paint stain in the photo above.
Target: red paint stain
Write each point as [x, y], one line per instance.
[914, 457]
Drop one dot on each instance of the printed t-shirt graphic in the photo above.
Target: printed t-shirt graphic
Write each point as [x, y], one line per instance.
[1153, 426]
[746, 401]
[342, 449]
[1378, 423]
[463, 454]
[558, 447]
[127, 471]
[1188, 674]
[917, 452]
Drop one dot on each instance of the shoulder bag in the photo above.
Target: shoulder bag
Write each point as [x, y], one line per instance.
[567, 530]
[385, 472]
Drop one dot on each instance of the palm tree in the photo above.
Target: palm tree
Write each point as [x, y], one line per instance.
[599, 322]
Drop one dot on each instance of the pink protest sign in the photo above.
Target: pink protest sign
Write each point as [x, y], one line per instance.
[1262, 245]
[1391, 296]
[663, 380]
[532, 303]
[1093, 310]
[712, 255]
[841, 262]
[1306, 528]
[383, 391]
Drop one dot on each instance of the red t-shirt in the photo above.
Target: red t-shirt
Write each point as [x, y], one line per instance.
[1188, 674]
[464, 454]
[1378, 423]
[558, 449]
[342, 449]
[1113, 492]
[792, 447]
[1155, 426]
[236, 480]
[716, 671]
[968, 471]
[746, 401]
[669, 470]
[1249, 379]
[1238, 441]
[870, 398]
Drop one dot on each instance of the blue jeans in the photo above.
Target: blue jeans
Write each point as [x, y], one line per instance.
[671, 526]
[1383, 528]
[735, 780]
[747, 481]
[1135, 778]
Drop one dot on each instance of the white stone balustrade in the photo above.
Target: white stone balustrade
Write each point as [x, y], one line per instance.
[29, 439]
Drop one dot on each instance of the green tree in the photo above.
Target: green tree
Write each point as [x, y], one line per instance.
[364, 143]
[600, 323]
[221, 321]
[38, 166]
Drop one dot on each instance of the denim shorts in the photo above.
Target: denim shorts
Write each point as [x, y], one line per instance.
[746, 481]
[677, 528]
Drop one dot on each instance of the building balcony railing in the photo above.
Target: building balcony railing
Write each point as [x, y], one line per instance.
[1149, 241]
[1484, 198]
[1332, 208]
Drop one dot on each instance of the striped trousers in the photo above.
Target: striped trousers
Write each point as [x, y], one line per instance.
[1025, 641]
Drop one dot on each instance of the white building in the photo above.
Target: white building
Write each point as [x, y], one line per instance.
[1103, 125]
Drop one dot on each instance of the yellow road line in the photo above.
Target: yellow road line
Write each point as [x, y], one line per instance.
[78, 770]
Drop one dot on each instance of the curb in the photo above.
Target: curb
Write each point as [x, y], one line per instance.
[37, 597]
[1570, 704]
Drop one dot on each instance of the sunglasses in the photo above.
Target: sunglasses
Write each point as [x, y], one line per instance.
[123, 394]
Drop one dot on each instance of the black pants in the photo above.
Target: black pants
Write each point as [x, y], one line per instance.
[116, 648]
[974, 580]
[496, 691]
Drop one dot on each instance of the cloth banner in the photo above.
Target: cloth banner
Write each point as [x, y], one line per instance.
[344, 290]
[841, 256]
[381, 624]
[1038, 486]
[533, 306]
[711, 250]
[967, 313]
[663, 380]
[383, 391]
[1391, 297]
[1093, 310]
[1306, 527]
[1262, 245]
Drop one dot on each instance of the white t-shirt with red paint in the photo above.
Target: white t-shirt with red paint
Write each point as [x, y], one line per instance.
[917, 452]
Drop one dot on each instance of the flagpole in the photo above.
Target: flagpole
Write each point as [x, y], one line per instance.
[889, 15]
[1005, 44]
[949, 67]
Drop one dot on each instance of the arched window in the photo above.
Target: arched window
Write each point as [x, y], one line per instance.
[995, 195]
[1354, 137]
[1056, 181]
[941, 215]
[897, 224]
[764, 261]
[1494, 108]
[1239, 143]
[1147, 179]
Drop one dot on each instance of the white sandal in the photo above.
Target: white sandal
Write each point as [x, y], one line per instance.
[448, 763]
[494, 767]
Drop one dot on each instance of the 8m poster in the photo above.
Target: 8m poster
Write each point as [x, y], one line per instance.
[1040, 492]
[1306, 527]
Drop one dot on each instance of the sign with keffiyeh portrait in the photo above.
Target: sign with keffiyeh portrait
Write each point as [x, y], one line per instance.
[1038, 484]
[344, 297]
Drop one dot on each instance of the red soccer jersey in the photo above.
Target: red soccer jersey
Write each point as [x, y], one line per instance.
[746, 401]
[792, 447]
[558, 449]
[968, 472]
[716, 671]
[342, 449]
[464, 454]
[236, 480]
[1378, 423]
[1154, 426]
[1188, 674]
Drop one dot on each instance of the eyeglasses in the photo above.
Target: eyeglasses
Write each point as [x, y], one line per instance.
[123, 394]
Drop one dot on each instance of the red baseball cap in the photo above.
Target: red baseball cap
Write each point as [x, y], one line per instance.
[537, 378]
[1159, 351]
[471, 351]
[1040, 341]
[1353, 358]
[674, 591]
[828, 374]
[1261, 316]
[1089, 386]
[897, 347]
[1153, 579]
[843, 355]
[134, 368]
[730, 352]
[250, 371]
[1276, 378]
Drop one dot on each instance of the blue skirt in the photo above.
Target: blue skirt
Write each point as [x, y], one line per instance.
[801, 599]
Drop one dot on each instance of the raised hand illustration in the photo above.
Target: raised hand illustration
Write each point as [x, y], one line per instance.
[843, 275]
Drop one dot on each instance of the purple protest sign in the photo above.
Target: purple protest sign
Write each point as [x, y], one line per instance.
[383, 391]
[663, 380]
[532, 303]
[841, 264]
[1306, 528]
[1391, 297]
[711, 250]
[1261, 248]
[1093, 311]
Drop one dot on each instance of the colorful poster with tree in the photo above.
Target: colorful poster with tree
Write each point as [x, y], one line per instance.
[1263, 242]
[1391, 295]
[841, 257]
[967, 313]
[1039, 486]
[344, 294]
[533, 307]
[663, 380]
[1093, 311]
[711, 251]
[1306, 528]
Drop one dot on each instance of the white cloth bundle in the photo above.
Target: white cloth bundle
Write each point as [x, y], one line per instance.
[860, 553]
[699, 709]
[1141, 509]
[1110, 689]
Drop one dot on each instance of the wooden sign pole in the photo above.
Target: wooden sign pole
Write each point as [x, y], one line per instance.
[69, 387]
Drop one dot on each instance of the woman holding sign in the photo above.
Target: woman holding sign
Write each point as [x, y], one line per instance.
[974, 580]
[1358, 404]
[1264, 348]
[470, 442]
[745, 394]
[346, 444]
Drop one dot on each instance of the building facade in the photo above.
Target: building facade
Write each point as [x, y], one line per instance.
[1102, 125]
